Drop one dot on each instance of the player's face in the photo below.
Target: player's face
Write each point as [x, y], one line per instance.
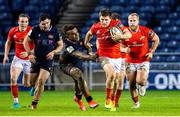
[105, 21]
[45, 25]
[73, 34]
[23, 22]
[133, 22]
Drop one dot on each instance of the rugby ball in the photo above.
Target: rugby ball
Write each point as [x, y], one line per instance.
[114, 31]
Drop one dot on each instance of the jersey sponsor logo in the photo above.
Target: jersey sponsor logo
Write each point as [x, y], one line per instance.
[135, 44]
[104, 37]
[19, 42]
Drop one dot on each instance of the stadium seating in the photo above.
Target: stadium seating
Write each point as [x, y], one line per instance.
[158, 58]
[18, 5]
[1, 42]
[3, 2]
[172, 58]
[9, 11]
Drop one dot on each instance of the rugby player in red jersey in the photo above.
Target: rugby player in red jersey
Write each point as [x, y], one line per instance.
[139, 55]
[109, 50]
[20, 61]
[119, 83]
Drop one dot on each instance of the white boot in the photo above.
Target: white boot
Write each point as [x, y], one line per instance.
[136, 105]
[142, 90]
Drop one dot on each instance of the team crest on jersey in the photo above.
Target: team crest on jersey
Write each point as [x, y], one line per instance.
[50, 36]
[98, 32]
[142, 38]
[15, 36]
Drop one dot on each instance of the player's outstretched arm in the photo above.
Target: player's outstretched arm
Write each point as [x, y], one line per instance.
[88, 37]
[26, 44]
[56, 51]
[84, 56]
[28, 50]
[59, 47]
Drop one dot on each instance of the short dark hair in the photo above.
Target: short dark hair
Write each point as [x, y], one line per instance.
[105, 12]
[115, 16]
[133, 14]
[23, 15]
[44, 16]
[68, 27]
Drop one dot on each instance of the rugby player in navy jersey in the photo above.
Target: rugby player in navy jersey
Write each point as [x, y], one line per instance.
[48, 42]
[71, 63]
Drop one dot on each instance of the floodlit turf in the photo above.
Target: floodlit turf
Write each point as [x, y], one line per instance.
[161, 103]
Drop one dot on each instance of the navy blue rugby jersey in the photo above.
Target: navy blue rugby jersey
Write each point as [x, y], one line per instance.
[45, 41]
[69, 48]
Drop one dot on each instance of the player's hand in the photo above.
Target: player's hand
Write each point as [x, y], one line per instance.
[23, 54]
[50, 55]
[90, 53]
[149, 55]
[93, 56]
[89, 47]
[32, 58]
[127, 50]
[6, 59]
[117, 37]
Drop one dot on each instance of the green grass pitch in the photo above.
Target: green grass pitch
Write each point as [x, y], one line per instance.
[60, 103]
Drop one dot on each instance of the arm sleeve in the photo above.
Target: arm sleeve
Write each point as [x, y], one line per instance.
[93, 29]
[58, 37]
[149, 33]
[10, 34]
[120, 25]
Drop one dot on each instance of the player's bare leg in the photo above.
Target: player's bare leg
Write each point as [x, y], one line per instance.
[110, 77]
[26, 80]
[43, 76]
[79, 77]
[33, 81]
[141, 80]
[115, 89]
[15, 72]
[78, 96]
[131, 75]
[120, 87]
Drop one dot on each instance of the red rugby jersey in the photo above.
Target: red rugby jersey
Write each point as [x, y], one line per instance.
[107, 47]
[18, 37]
